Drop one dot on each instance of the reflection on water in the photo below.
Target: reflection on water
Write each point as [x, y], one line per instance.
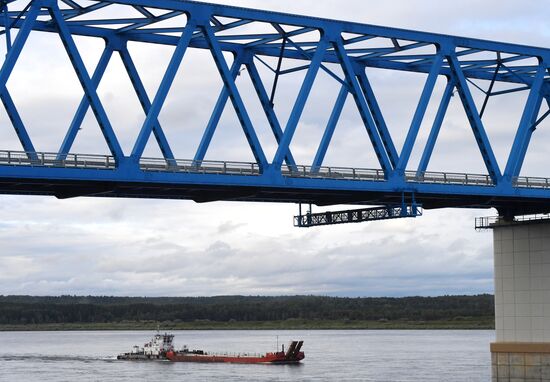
[331, 355]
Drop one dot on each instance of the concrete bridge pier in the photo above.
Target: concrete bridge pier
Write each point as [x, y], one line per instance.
[521, 351]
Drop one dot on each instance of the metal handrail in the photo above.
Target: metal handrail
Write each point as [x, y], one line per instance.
[326, 172]
[44, 159]
[449, 178]
[488, 222]
[204, 167]
[531, 182]
[108, 162]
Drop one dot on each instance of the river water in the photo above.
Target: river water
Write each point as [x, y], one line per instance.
[331, 355]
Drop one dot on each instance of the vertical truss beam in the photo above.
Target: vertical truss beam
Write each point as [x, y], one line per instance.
[331, 126]
[84, 79]
[162, 92]
[300, 103]
[526, 125]
[234, 95]
[419, 114]
[78, 118]
[355, 90]
[436, 127]
[378, 117]
[145, 102]
[267, 106]
[473, 116]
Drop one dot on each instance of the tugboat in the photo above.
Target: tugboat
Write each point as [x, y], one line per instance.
[156, 349]
[161, 348]
[292, 356]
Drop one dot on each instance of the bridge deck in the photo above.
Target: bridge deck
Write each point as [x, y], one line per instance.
[98, 175]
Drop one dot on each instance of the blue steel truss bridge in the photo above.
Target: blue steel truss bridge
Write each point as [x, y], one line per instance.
[247, 39]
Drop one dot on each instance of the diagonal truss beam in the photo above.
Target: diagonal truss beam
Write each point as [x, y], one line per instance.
[140, 92]
[331, 126]
[160, 97]
[78, 118]
[473, 116]
[297, 110]
[5, 72]
[436, 127]
[419, 114]
[145, 102]
[17, 123]
[217, 113]
[381, 126]
[362, 106]
[526, 126]
[268, 108]
[86, 82]
[234, 95]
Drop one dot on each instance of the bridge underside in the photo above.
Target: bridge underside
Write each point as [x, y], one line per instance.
[209, 193]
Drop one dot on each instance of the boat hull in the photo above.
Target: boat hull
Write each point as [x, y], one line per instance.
[270, 358]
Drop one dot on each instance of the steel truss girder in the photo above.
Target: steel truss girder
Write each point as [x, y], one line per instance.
[323, 44]
[380, 57]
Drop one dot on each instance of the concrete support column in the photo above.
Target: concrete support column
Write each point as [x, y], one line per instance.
[522, 302]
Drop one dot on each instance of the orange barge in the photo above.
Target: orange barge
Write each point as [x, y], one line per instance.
[292, 356]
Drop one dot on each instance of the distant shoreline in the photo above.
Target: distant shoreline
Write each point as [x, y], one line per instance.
[464, 323]
[33, 313]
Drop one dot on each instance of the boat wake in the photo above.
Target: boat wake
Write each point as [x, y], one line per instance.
[54, 358]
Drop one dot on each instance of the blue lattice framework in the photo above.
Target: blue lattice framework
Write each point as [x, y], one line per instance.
[318, 44]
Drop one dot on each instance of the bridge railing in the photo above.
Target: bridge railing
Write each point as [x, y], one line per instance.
[449, 178]
[325, 172]
[489, 222]
[107, 162]
[531, 182]
[348, 173]
[200, 167]
[43, 159]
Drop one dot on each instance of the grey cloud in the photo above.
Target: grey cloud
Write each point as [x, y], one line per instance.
[350, 263]
[228, 227]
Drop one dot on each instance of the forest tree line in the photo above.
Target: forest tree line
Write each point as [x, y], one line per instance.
[16, 310]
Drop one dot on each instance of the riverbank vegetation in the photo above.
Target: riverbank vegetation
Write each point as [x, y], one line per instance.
[245, 312]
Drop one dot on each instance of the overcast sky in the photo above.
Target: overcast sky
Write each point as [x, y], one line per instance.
[179, 248]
